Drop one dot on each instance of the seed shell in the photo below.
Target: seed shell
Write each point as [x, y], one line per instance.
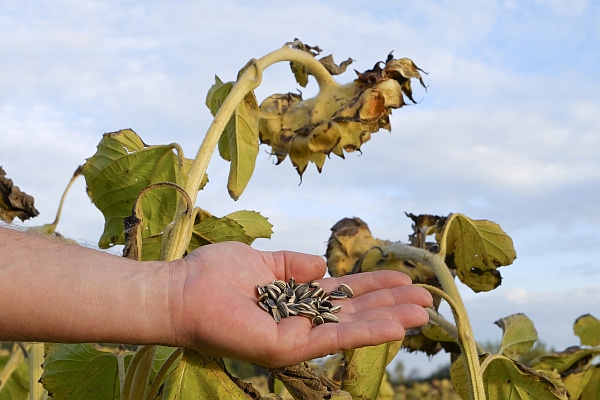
[280, 284]
[282, 299]
[283, 310]
[329, 317]
[276, 315]
[264, 306]
[346, 289]
[337, 295]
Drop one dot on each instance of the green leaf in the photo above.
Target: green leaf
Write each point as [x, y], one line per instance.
[365, 368]
[161, 355]
[587, 327]
[519, 335]
[583, 384]
[79, 371]
[199, 376]
[121, 168]
[211, 229]
[505, 379]
[437, 332]
[243, 145]
[458, 375]
[239, 142]
[239, 226]
[16, 386]
[214, 99]
[254, 224]
[573, 357]
[592, 389]
[476, 248]
[217, 94]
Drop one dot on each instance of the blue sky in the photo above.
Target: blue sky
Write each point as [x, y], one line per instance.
[508, 129]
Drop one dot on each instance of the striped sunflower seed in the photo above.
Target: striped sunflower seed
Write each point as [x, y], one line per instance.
[283, 299]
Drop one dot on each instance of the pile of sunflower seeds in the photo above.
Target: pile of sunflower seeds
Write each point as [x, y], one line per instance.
[283, 299]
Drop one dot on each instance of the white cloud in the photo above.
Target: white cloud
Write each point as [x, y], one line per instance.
[507, 130]
[518, 295]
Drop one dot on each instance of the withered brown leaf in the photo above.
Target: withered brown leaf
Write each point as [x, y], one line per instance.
[13, 202]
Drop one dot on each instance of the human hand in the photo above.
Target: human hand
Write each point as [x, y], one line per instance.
[213, 306]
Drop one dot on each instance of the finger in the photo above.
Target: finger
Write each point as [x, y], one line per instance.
[366, 328]
[302, 267]
[387, 297]
[368, 281]
[408, 315]
[334, 338]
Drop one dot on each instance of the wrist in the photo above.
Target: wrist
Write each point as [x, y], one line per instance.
[171, 278]
[154, 321]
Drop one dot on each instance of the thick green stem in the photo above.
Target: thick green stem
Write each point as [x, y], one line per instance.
[177, 235]
[449, 327]
[250, 78]
[138, 374]
[162, 372]
[465, 332]
[35, 359]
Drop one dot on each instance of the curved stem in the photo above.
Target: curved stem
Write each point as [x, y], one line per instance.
[450, 294]
[248, 80]
[138, 373]
[52, 226]
[449, 327]
[162, 372]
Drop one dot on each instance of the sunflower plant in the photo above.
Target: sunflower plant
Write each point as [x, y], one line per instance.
[152, 211]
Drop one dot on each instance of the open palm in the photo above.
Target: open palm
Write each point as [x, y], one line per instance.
[214, 308]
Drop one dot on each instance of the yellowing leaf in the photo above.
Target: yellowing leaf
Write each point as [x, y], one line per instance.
[579, 382]
[255, 225]
[476, 248]
[587, 327]
[121, 168]
[199, 376]
[214, 99]
[14, 375]
[217, 94]
[239, 142]
[592, 389]
[240, 226]
[505, 379]
[300, 73]
[437, 333]
[212, 229]
[519, 335]
[565, 360]
[243, 145]
[365, 368]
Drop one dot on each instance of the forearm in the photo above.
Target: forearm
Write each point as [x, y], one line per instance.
[58, 292]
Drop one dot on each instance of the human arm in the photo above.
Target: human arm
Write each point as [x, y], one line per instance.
[57, 292]
[54, 291]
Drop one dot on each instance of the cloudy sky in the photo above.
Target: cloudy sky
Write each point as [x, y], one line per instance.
[508, 129]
